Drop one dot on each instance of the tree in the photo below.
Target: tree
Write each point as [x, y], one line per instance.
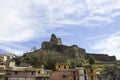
[91, 61]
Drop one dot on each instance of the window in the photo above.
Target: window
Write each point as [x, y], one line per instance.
[91, 77]
[64, 66]
[85, 77]
[16, 73]
[91, 70]
[74, 78]
[59, 66]
[38, 72]
[8, 73]
[84, 71]
[47, 72]
[74, 73]
[32, 73]
[64, 76]
[1, 64]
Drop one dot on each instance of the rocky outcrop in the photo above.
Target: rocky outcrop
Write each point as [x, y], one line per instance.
[55, 44]
[53, 41]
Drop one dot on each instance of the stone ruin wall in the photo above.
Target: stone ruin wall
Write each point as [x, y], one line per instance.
[55, 44]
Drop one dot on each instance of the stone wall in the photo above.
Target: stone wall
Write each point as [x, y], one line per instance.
[55, 44]
[53, 41]
[71, 51]
[101, 57]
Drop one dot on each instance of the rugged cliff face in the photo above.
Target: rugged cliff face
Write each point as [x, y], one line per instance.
[55, 44]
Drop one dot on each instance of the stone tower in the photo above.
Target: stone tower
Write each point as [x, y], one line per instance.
[53, 41]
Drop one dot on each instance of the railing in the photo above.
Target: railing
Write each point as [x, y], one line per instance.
[42, 75]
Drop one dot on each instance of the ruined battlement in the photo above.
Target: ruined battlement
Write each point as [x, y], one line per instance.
[55, 44]
[102, 57]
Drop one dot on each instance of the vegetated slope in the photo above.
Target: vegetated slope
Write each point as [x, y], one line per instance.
[53, 52]
[41, 57]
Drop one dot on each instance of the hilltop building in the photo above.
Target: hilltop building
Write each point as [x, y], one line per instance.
[55, 44]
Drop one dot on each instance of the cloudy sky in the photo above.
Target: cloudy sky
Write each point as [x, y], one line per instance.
[91, 24]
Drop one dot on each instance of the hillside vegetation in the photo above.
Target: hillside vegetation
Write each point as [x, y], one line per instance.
[54, 51]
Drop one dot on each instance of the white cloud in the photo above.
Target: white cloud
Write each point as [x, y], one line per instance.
[24, 20]
[89, 12]
[13, 48]
[109, 45]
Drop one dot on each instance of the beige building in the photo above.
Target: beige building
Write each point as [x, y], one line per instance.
[62, 66]
[91, 73]
[6, 56]
[64, 73]
[79, 73]
[87, 73]
[3, 60]
[27, 73]
[82, 73]
[20, 74]
[42, 74]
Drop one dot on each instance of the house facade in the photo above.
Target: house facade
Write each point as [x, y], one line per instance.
[79, 73]
[64, 75]
[27, 74]
[63, 72]
[42, 74]
[86, 73]
[20, 74]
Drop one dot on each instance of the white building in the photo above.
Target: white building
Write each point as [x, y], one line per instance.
[82, 73]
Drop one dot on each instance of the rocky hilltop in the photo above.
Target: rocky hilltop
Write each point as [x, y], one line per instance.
[55, 44]
[53, 51]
